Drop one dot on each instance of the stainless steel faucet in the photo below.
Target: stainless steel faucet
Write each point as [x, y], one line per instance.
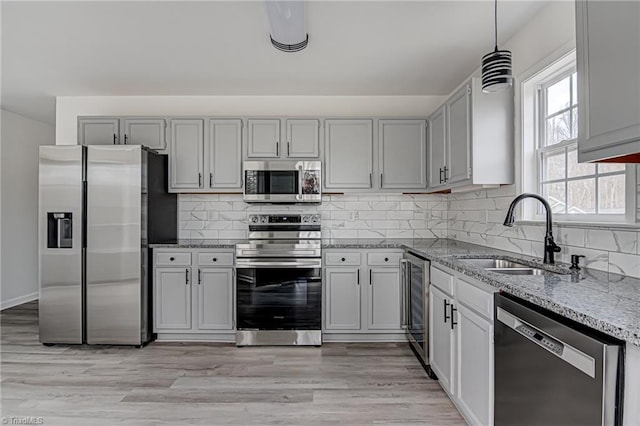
[550, 247]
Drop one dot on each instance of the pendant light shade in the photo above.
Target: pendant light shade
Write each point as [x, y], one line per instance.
[497, 71]
[287, 25]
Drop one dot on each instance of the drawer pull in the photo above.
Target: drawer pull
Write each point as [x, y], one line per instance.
[172, 259]
[343, 259]
[386, 259]
[215, 259]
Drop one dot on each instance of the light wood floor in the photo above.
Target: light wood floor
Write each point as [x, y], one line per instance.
[195, 383]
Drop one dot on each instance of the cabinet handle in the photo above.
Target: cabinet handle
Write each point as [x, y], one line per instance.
[200, 180]
[343, 259]
[125, 139]
[453, 321]
[381, 179]
[440, 174]
[445, 174]
[210, 180]
[114, 138]
[358, 282]
[288, 149]
[370, 280]
[277, 149]
[186, 276]
[172, 259]
[215, 259]
[199, 277]
[386, 259]
[370, 180]
[446, 317]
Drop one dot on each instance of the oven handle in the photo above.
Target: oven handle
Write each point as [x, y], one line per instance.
[403, 289]
[278, 263]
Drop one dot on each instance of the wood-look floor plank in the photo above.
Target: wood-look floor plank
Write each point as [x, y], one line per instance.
[212, 384]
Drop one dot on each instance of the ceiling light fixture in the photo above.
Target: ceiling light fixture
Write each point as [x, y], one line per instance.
[287, 24]
[496, 66]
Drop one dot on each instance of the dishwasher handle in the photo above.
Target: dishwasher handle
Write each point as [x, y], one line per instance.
[560, 349]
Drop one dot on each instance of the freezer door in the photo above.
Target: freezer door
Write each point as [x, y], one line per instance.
[60, 201]
[114, 287]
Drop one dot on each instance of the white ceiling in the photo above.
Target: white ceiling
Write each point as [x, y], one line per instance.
[222, 48]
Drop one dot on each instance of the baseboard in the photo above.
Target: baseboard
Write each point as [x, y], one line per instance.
[5, 304]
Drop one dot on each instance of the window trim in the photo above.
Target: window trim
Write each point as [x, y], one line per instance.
[547, 72]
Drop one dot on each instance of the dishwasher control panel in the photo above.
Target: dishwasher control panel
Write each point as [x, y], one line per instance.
[552, 345]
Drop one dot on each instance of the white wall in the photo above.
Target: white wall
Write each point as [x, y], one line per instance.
[21, 137]
[68, 108]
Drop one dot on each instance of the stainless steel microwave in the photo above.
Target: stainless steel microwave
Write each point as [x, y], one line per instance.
[282, 181]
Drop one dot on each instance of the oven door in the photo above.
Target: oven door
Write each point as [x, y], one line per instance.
[279, 294]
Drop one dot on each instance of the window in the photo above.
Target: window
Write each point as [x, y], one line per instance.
[572, 188]
[586, 192]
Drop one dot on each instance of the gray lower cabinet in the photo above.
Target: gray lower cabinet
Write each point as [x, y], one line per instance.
[98, 131]
[172, 299]
[608, 65]
[348, 152]
[224, 154]
[263, 138]
[149, 132]
[362, 292]
[186, 158]
[402, 153]
[196, 296]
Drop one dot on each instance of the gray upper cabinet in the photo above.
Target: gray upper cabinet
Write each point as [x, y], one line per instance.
[263, 138]
[149, 132]
[608, 64]
[348, 153]
[224, 153]
[98, 131]
[471, 140]
[402, 154]
[437, 147]
[302, 138]
[459, 132]
[186, 163]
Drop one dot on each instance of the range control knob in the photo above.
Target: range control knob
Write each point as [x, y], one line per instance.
[315, 218]
[305, 219]
[264, 219]
[253, 219]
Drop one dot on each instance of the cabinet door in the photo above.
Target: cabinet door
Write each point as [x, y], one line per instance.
[186, 160]
[437, 144]
[384, 299]
[302, 139]
[608, 63]
[172, 299]
[348, 154]
[342, 307]
[215, 299]
[225, 154]
[149, 132]
[403, 153]
[459, 136]
[441, 338]
[98, 131]
[263, 138]
[474, 365]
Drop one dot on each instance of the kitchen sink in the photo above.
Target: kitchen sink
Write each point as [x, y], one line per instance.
[507, 267]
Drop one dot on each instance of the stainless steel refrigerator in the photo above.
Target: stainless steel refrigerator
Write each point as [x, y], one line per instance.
[99, 208]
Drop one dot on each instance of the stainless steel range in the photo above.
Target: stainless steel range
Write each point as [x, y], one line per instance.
[279, 281]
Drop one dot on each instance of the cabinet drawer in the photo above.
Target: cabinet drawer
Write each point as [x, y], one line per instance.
[173, 259]
[475, 298]
[344, 259]
[215, 259]
[383, 258]
[443, 280]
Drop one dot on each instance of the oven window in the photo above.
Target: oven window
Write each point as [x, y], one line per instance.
[279, 298]
[271, 182]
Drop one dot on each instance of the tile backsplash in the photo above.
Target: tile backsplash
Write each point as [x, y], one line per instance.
[343, 216]
[474, 217]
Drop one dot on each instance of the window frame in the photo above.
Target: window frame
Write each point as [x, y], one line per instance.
[534, 130]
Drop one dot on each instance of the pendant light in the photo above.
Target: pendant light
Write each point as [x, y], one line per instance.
[496, 66]
[287, 25]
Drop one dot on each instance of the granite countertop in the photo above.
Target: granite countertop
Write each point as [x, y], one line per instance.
[607, 302]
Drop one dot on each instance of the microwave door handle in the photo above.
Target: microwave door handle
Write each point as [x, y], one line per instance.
[300, 182]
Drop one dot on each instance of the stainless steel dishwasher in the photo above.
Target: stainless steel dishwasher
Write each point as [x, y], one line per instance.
[551, 371]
